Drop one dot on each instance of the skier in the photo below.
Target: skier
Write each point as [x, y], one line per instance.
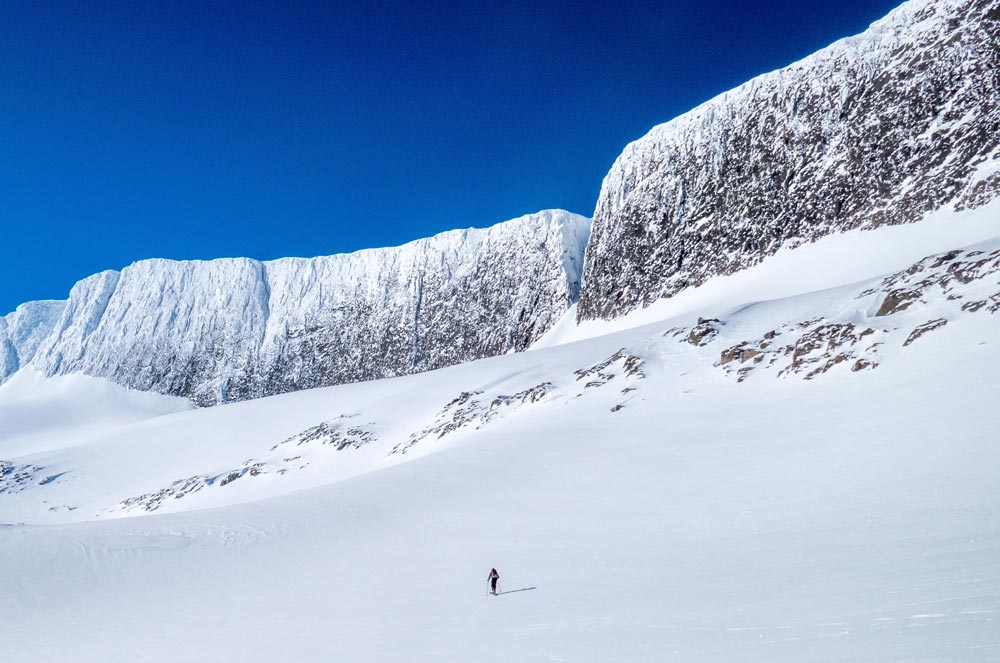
[494, 576]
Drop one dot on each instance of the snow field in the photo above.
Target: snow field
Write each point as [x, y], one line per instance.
[801, 524]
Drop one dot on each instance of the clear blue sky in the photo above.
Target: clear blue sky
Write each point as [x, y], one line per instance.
[132, 130]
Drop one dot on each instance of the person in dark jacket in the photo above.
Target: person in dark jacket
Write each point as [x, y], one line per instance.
[494, 576]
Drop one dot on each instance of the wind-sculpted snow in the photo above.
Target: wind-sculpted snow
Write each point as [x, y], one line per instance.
[233, 329]
[874, 130]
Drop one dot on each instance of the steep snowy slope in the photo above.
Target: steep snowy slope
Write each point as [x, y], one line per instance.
[233, 329]
[703, 490]
[876, 129]
[22, 331]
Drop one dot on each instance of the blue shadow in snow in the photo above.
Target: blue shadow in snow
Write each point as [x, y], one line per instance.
[512, 591]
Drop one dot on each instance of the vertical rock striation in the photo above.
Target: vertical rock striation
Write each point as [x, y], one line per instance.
[875, 129]
[233, 329]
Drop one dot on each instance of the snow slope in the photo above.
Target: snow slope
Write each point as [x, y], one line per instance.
[39, 413]
[710, 489]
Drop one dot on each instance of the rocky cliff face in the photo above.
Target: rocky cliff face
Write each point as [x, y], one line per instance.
[234, 329]
[875, 129]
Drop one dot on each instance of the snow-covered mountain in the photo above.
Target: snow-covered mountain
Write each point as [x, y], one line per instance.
[854, 314]
[787, 459]
[232, 329]
[796, 462]
[876, 129]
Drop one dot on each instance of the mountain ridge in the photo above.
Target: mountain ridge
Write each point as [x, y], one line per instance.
[236, 328]
[878, 128]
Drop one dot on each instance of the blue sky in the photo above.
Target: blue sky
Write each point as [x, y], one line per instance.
[133, 130]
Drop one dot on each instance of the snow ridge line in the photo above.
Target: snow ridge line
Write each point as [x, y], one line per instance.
[237, 328]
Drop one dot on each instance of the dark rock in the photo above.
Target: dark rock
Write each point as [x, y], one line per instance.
[731, 354]
[930, 325]
[704, 331]
[896, 301]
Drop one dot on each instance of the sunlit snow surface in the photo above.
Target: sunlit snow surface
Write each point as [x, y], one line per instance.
[653, 507]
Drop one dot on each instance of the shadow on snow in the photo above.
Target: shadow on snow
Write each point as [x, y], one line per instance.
[511, 591]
